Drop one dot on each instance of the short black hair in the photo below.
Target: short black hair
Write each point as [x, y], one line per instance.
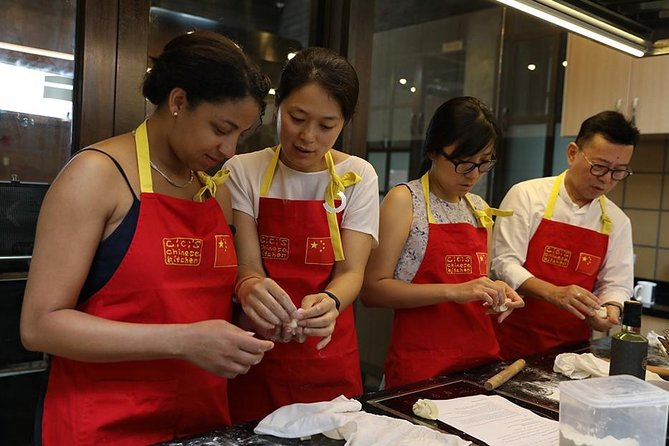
[209, 67]
[612, 125]
[464, 121]
[326, 68]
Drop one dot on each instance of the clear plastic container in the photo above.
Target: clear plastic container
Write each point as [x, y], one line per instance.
[619, 410]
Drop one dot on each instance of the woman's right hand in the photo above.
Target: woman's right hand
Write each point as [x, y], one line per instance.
[221, 347]
[483, 288]
[267, 306]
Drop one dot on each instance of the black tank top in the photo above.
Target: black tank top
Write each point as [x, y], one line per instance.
[112, 249]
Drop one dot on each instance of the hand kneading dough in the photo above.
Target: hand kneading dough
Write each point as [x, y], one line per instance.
[425, 409]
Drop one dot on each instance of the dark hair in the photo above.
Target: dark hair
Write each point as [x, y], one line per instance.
[612, 125]
[464, 121]
[209, 67]
[326, 68]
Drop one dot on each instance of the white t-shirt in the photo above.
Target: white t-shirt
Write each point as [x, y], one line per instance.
[528, 201]
[362, 199]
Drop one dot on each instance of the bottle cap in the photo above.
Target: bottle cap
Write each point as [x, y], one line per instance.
[632, 313]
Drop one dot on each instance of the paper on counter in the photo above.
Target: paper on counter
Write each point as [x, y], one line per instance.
[497, 421]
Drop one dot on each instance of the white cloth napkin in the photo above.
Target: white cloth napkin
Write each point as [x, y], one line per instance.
[585, 365]
[580, 366]
[304, 419]
[342, 418]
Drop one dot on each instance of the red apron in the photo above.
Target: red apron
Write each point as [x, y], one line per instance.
[297, 253]
[561, 254]
[178, 269]
[446, 337]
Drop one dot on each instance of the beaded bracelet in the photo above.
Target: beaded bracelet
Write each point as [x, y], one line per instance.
[335, 298]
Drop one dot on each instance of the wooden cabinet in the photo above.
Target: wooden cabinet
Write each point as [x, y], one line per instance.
[597, 78]
[649, 94]
[600, 78]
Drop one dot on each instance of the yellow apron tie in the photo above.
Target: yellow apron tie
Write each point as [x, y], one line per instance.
[210, 183]
[484, 216]
[552, 199]
[336, 186]
[143, 158]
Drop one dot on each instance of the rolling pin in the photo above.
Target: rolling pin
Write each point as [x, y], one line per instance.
[504, 375]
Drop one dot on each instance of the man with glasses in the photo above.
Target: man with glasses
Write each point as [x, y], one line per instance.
[567, 248]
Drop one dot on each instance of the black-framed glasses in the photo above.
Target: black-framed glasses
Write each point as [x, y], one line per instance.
[599, 170]
[468, 166]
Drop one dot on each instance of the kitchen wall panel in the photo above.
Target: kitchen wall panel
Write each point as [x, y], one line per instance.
[645, 225]
[664, 230]
[645, 262]
[662, 265]
[642, 191]
[646, 202]
[616, 195]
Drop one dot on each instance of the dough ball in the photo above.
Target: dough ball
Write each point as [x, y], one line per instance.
[602, 312]
[425, 409]
[502, 308]
[292, 325]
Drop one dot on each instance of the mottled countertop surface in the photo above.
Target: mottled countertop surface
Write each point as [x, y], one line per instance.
[534, 387]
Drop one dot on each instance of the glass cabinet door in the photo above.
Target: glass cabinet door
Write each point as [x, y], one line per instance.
[268, 31]
[423, 55]
[36, 85]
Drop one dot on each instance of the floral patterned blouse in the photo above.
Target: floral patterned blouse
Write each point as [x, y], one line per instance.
[443, 212]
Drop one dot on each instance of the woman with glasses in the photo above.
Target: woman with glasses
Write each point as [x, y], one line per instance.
[567, 248]
[431, 264]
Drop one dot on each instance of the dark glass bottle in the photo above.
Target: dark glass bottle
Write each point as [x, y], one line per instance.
[629, 348]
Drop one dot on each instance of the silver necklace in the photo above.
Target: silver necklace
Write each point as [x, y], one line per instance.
[170, 180]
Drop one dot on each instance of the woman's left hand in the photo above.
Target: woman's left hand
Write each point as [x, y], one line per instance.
[317, 317]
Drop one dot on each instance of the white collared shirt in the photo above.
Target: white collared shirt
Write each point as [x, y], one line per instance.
[528, 200]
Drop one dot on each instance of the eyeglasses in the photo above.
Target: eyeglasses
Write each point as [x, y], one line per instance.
[464, 167]
[599, 170]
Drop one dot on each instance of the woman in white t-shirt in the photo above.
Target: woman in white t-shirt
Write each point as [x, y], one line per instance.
[307, 219]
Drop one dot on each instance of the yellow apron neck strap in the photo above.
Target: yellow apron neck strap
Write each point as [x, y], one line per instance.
[552, 199]
[269, 172]
[143, 158]
[336, 185]
[336, 188]
[425, 185]
[210, 183]
[484, 216]
[606, 220]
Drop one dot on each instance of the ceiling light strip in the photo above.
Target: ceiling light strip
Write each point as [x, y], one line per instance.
[572, 24]
[591, 20]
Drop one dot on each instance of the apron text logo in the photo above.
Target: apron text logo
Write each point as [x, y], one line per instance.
[275, 248]
[182, 251]
[556, 256]
[458, 264]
